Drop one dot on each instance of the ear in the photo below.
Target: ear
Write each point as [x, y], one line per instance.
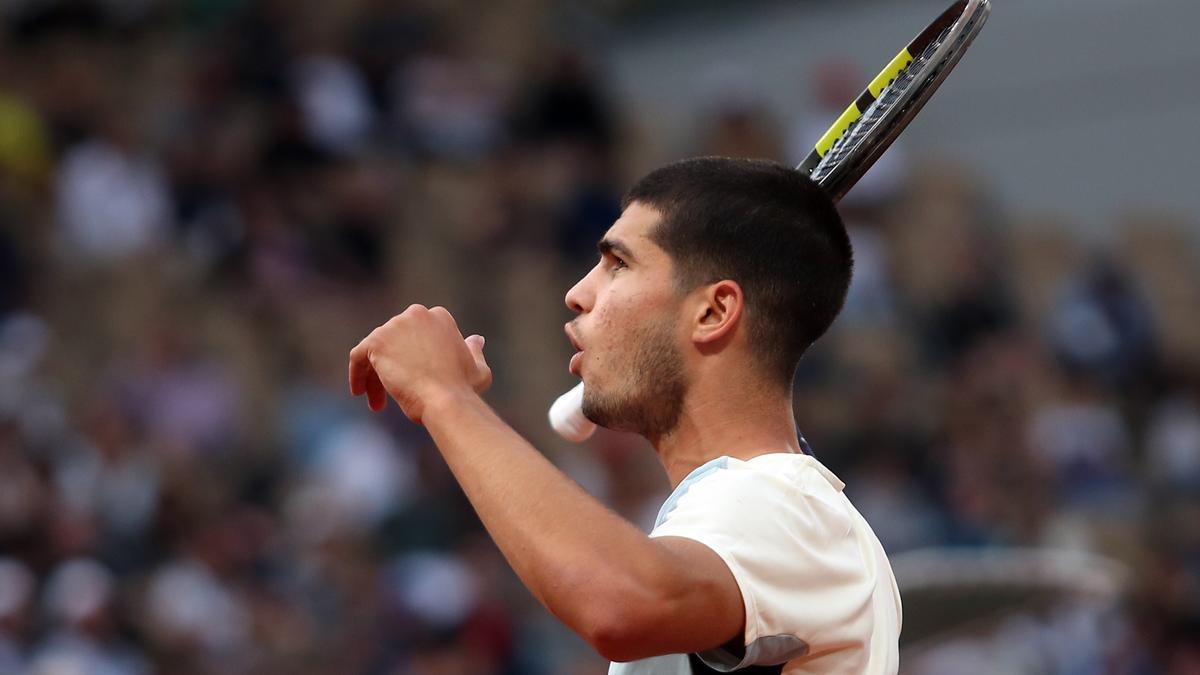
[718, 311]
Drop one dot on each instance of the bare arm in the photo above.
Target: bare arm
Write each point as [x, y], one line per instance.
[629, 595]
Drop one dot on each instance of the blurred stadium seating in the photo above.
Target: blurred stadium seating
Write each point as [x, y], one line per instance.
[204, 204]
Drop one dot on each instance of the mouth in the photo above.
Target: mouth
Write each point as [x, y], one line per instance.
[577, 357]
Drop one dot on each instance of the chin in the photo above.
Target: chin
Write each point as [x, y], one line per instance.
[591, 394]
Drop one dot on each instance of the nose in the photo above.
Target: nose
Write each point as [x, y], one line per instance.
[580, 298]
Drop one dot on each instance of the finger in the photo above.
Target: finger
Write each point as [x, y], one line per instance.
[445, 315]
[360, 369]
[483, 378]
[475, 344]
[376, 394]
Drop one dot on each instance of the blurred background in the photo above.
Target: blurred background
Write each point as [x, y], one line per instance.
[204, 204]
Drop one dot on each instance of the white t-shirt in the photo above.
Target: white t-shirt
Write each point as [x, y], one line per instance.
[817, 587]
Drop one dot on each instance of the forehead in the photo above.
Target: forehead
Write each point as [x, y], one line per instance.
[634, 227]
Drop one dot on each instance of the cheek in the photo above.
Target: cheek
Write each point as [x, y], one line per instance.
[616, 317]
[620, 320]
[609, 331]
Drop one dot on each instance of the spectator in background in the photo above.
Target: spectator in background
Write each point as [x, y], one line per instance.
[1173, 438]
[736, 121]
[183, 400]
[1103, 329]
[112, 196]
[78, 600]
[448, 102]
[17, 585]
[565, 114]
[25, 159]
[334, 101]
[14, 280]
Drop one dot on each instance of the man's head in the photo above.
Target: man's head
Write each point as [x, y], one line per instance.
[747, 260]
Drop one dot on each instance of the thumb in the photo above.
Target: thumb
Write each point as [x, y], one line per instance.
[483, 371]
[475, 344]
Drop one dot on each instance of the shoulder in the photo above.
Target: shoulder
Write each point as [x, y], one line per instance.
[811, 573]
[773, 484]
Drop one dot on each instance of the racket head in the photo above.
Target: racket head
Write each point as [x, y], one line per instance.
[893, 99]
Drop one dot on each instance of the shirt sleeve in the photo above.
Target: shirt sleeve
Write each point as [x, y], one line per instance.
[791, 545]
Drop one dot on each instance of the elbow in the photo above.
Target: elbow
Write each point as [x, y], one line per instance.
[619, 633]
[623, 613]
[615, 642]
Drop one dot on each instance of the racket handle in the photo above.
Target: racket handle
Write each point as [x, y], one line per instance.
[566, 416]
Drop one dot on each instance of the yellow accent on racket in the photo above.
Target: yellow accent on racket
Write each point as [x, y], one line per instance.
[839, 127]
[851, 114]
[889, 73]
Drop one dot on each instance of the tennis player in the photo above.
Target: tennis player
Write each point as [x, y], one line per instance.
[709, 287]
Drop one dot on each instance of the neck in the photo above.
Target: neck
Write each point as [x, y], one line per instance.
[740, 422]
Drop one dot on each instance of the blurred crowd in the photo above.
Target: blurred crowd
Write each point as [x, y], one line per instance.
[204, 204]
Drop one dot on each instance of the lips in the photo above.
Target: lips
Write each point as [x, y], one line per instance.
[578, 356]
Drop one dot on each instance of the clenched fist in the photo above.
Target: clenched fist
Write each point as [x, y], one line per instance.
[417, 355]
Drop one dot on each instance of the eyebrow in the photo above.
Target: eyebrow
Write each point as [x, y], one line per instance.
[608, 246]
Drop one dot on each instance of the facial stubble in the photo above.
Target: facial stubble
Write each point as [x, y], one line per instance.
[651, 401]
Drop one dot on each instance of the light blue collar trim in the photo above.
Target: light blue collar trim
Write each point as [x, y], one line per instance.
[692, 478]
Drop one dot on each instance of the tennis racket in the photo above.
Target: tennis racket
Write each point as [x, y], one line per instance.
[858, 138]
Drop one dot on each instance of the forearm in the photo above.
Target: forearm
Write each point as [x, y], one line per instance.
[570, 551]
[628, 595]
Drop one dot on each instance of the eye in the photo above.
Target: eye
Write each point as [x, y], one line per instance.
[612, 262]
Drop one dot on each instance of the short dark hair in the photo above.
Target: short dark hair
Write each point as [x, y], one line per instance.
[766, 226]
